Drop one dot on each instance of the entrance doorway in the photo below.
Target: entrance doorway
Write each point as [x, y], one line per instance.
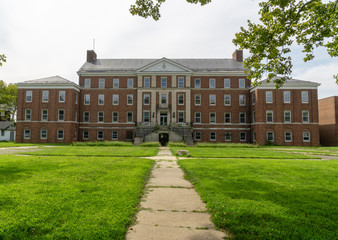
[164, 119]
[163, 138]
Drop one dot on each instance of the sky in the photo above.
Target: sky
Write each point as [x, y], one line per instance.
[46, 38]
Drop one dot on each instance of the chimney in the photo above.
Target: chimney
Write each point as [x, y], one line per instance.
[91, 56]
[238, 55]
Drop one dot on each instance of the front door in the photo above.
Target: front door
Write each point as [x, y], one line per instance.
[164, 119]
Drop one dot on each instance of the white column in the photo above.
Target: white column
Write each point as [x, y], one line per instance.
[153, 81]
[139, 80]
[173, 105]
[139, 105]
[153, 106]
[187, 81]
[188, 107]
[173, 81]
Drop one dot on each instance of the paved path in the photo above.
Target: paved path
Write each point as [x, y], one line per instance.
[171, 208]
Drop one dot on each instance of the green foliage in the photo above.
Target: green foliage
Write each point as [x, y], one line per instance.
[177, 144]
[103, 144]
[150, 144]
[225, 145]
[2, 59]
[69, 197]
[264, 199]
[310, 23]
[8, 98]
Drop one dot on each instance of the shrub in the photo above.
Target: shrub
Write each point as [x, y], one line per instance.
[177, 144]
[103, 144]
[225, 145]
[150, 144]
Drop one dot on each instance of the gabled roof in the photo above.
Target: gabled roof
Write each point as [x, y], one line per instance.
[48, 82]
[7, 126]
[292, 83]
[196, 65]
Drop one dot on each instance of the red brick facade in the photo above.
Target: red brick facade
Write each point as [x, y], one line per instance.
[328, 121]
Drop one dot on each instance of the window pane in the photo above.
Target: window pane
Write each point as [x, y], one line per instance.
[101, 83]
[268, 97]
[227, 83]
[115, 99]
[146, 98]
[197, 99]
[146, 82]
[116, 83]
[242, 100]
[29, 95]
[62, 96]
[87, 83]
[212, 99]
[212, 83]
[227, 99]
[180, 99]
[45, 96]
[180, 82]
[163, 82]
[197, 83]
[101, 99]
[287, 98]
[241, 83]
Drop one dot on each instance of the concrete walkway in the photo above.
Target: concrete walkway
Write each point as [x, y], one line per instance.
[171, 208]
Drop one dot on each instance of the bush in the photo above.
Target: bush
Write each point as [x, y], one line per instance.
[225, 145]
[103, 144]
[177, 144]
[150, 144]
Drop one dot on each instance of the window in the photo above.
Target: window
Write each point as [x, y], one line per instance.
[268, 96]
[115, 99]
[87, 83]
[116, 83]
[163, 82]
[305, 97]
[212, 83]
[44, 115]
[75, 134]
[101, 83]
[269, 137]
[45, 96]
[197, 117]
[27, 134]
[60, 134]
[86, 117]
[212, 117]
[197, 83]
[305, 116]
[253, 116]
[43, 134]
[99, 135]
[212, 99]
[2, 133]
[101, 99]
[287, 96]
[227, 99]
[29, 96]
[242, 100]
[269, 116]
[85, 135]
[129, 135]
[242, 117]
[180, 117]
[61, 115]
[254, 137]
[28, 114]
[180, 99]
[288, 137]
[130, 99]
[287, 116]
[242, 136]
[115, 117]
[76, 98]
[212, 136]
[228, 137]
[146, 99]
[100, 117]
[62, 96]
[86, 99]
[180, 82]
[163, 98]
[146, 82]
[227, 117]
[197, 99]
[146, 116]
[129, 117]
[115, 135]
[130, 83]
[197, 136]
[241, 83]
[253, 99]
[226, 82]
[75, 116]
[306, 137]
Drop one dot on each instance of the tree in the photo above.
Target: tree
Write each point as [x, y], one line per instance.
[309, 23]
[8, 98]
[2, 59]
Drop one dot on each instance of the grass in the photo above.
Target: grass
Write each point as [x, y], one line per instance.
[14, 144]
[69, 197]
[264, 199]
[105, 151]
[103, 144]
[237, 152]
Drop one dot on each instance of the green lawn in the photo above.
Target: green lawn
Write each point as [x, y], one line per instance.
[13, 144]
[96, 151]
[69, 197]
[237, 152]
[268, 199]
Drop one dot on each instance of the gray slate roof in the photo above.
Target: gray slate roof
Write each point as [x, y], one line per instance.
[49, 80]
[290, 83]
[7, 126]
[103, 65]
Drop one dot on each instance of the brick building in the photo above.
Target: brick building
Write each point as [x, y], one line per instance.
[328, 121]
[207, 100]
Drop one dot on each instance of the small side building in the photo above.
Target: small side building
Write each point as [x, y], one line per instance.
[7, 131]
[328, 121]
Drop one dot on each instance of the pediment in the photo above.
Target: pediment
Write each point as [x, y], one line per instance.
[164, 66]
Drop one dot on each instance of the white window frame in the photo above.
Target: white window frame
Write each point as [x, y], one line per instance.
[117, 98]
[180, 82]
[212, 83]
[28, 114]
[225, 136]
[253, 98]
[116, 137]
[225, 117]
[127, 120]
[241, 83]
[63, 134]
[87, 83]
[117, 116]
[130, 83]
[180, 119]
[240, 137]
[180, 95]
[62, 94]
[100, 132]
[227, 83]
[98, 117]
[76, 98]
[286, 140]
[240, 118]
[199, 134]
[41, 137]
[144, 116]
[268, 97]
[198, 119]
[116, 83]
[84, 116]
[100, 99]
[42, 115]
[64, 114]
[215, 136]
[146, 82]
[83, 134]
[198, 85]
[29, 94]
[304, 140]
[210, 118]
[227, 99]
[166, 99]
[308, 116]
[267, 136]
[86, 97]
[210, 99]
[45, 96]
[164, 82]
[25, 136]
[242, 103]
[287, 97]
[130, 97]
[253, 117]
[266, 116]
[285, 112]
[102, 83]
[196, 99]
[305, 96]
[146, 96]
